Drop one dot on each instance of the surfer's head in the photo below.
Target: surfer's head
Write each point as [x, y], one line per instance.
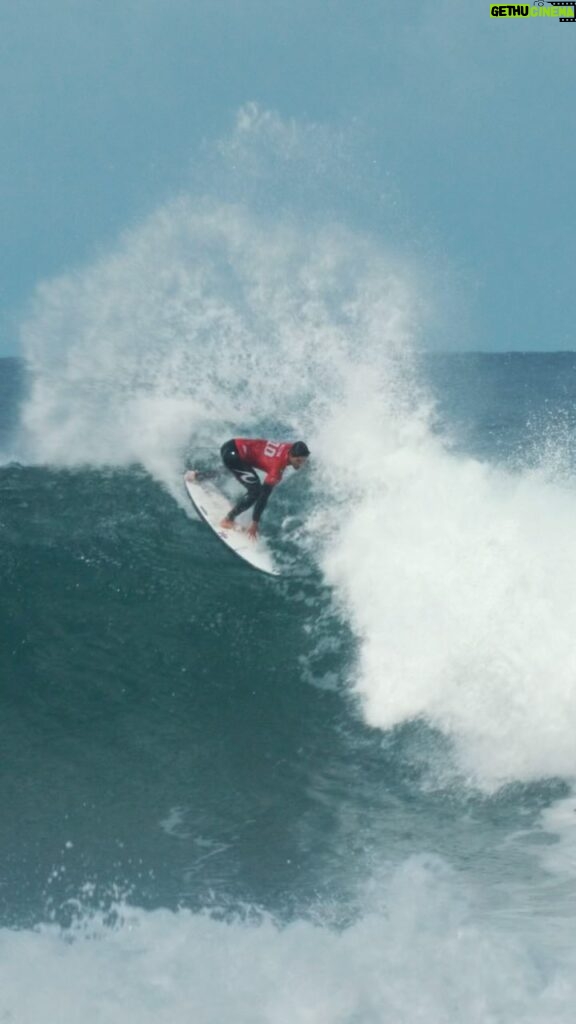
[299, 453]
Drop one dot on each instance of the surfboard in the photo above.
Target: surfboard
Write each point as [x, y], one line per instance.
[212, 505]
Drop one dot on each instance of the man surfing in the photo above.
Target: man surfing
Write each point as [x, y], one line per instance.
[242, 456]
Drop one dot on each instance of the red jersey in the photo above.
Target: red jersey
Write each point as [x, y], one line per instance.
[269, 456]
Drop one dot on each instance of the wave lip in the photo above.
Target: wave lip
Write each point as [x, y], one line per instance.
[457, 578]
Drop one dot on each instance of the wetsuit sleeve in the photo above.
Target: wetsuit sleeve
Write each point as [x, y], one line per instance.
[265, 492]
[273, 476]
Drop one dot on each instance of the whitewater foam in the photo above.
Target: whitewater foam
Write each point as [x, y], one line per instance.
[457, 576]
[423, 951]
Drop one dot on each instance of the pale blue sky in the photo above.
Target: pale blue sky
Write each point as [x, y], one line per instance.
[465, 123]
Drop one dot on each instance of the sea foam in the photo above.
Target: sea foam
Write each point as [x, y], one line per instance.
[422, 951]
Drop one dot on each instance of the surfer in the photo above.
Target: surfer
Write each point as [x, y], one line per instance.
[242, 456]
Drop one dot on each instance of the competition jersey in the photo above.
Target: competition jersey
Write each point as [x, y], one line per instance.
[269, 456]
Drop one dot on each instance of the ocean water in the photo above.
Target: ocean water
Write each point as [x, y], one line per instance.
[340, 797]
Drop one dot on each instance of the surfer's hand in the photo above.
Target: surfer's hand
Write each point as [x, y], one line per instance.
[253, 531]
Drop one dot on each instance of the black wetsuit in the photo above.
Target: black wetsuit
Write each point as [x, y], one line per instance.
[257, 493]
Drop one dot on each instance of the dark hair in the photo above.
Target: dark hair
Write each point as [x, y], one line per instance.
[299, 449]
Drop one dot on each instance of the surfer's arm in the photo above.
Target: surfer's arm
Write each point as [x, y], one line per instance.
[265, 492]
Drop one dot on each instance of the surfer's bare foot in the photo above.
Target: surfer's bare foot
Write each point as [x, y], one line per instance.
[227, 524]
[191, 474]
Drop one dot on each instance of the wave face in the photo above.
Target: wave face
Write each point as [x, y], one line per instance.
[344, 794]
[210, 322]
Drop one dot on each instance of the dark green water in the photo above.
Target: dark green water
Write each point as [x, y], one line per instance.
[181, 734]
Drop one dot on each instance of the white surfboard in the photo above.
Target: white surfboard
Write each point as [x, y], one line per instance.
[212, 506]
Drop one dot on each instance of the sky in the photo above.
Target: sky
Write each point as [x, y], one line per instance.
[456, 129]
